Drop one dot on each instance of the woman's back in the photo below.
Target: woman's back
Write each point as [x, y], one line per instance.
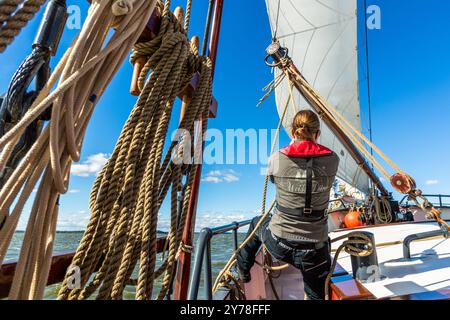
[297, 232]
[288, 170]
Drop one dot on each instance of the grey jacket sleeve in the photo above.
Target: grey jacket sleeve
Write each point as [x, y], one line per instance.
[271, 167]
[336, 162]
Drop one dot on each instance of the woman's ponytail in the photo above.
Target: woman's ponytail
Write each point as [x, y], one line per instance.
[305, 125]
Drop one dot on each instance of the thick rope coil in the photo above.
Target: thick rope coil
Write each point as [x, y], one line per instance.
[84, 72]
[15, 23]
[128, 193]
[383, 209]
[360, 246]
[7, 8]
[122, 7]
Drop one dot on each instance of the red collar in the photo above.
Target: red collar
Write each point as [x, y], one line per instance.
[302, 149]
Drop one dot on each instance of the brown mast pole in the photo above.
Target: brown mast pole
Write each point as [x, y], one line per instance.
[184, 262]
[282, 60]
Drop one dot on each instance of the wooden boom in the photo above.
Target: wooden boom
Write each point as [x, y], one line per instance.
[285, 63]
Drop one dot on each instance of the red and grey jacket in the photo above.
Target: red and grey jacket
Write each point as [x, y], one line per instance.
[303, 174]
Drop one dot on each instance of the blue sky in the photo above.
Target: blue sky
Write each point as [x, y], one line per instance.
[410, 77]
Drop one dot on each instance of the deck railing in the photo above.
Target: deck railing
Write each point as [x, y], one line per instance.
[438, 200]
[202, 259]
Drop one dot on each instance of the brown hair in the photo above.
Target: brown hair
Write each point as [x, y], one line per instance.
[305, 125]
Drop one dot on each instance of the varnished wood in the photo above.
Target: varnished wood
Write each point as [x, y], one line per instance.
[151, 30]
[137, 68]
[347, 288]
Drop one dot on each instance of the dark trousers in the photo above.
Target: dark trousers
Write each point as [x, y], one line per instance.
[314, 264]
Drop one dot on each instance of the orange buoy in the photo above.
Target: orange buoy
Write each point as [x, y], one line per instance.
[353, 219]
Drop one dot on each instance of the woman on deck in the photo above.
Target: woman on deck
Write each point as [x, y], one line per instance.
[297, 232]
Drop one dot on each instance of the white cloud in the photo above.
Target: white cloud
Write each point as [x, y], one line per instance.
[212, 179]
[73, 191]
[211, 219]
[219, 176]
[70, 221]
[91, 167]
[431, 182]
[76, 221]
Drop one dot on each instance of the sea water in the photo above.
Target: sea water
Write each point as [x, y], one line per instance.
[222, 248]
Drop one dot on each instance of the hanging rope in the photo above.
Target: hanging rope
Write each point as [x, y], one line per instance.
[221, 278]
[275, 32]
[271, 270]
[84, 72]
[17, 101]
[128, 193]
[7, 8]
[11, 24]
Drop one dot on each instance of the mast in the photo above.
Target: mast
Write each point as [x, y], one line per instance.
[184, 262]
[369, 96]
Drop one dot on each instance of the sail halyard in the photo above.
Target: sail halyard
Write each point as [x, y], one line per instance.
[322, 40]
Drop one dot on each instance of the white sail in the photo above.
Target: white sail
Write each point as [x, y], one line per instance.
[321, 36]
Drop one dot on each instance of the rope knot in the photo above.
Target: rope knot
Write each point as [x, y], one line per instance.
[183, 248]
[122, 7]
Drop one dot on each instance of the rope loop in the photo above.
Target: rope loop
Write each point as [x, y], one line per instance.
[122, 7]
[357, 244]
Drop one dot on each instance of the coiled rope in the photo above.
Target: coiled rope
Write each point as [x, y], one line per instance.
[84, 73]
[14, 16]
[128, 193]
[7, 8]
[357, 244]
[382, 209]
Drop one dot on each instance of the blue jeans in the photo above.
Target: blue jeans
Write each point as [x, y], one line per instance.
[314, 264]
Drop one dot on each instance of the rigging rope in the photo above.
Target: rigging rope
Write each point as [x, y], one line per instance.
[7, 8]
[222, 276]
[129, 191]
[382, 209]
[84, 72]
[14, 16]
[400, 181]
[277, 20]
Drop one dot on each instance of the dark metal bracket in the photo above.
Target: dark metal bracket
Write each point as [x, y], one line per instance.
[422, 236]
